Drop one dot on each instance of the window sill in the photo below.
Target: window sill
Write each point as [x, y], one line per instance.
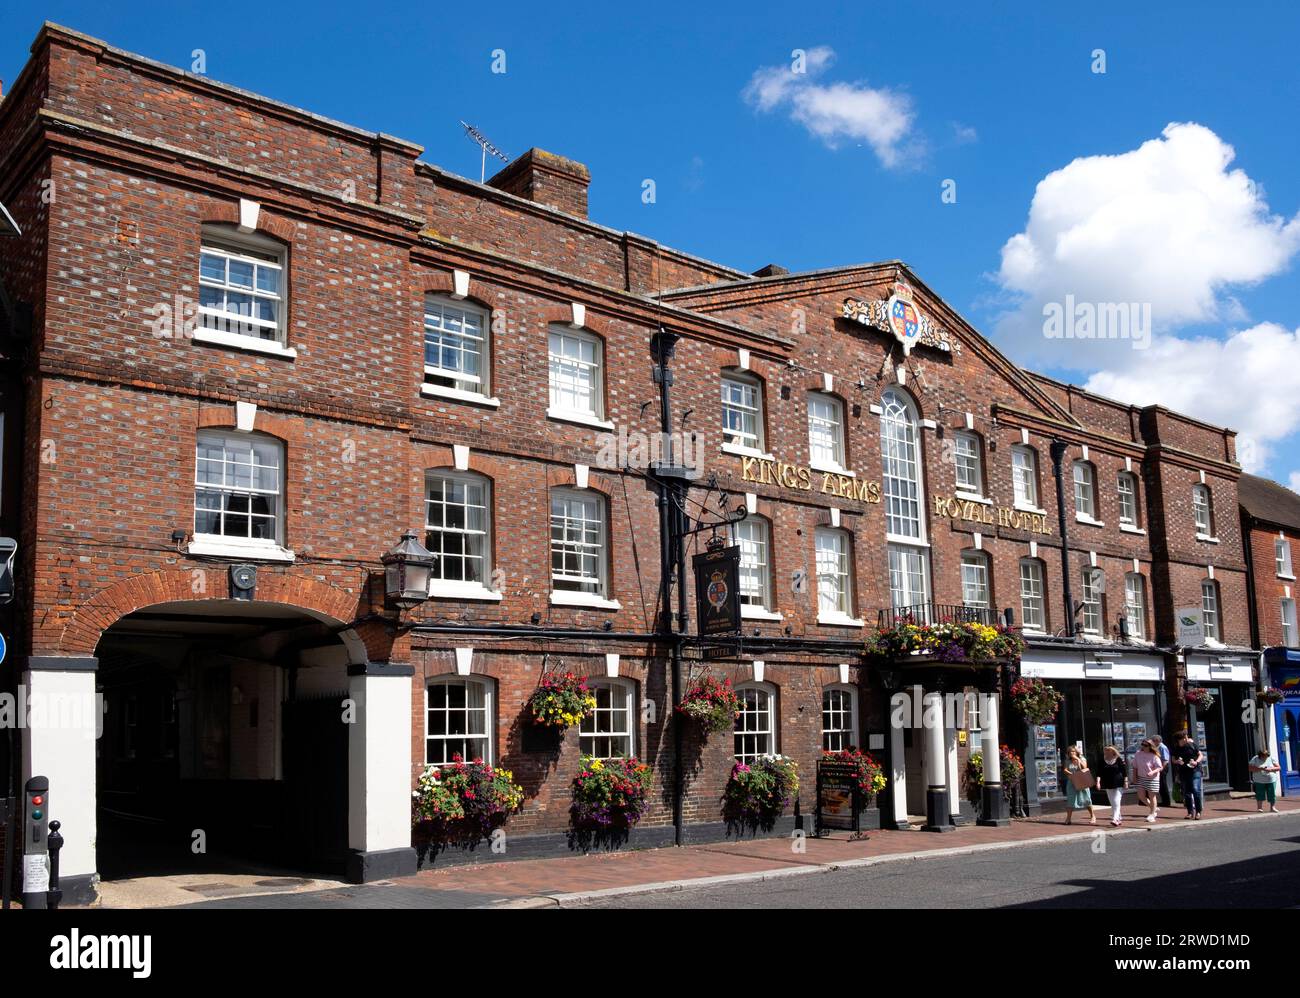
[912, 542]
[1288, 578]
[456, 395]
[750, 612]
[1207, 539]
[973, 497]
[214, 337]
[562, 597]
[1088, 521]
[224, 547]
[1128, 528]
[1025, 507]
[839, 620]
[739, 451]
[462, 590]
[832, 469]
[580, 418]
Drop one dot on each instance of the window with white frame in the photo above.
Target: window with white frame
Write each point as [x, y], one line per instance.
[241, 285]
[908, 580]
[1024, 476]
[1282, 557]
[1126, 490]
[239, 487]
[608, 732]
[755, 727]
[578, 542]
[839, 718]
[1288, 623]
[975, 579]
[834, 573]
[966, 455]
[1093, 584]
[1210, 608]
[1135, 605]
[458, 527]
[1203, 510]
[458, 720]
[826, 431]
[742, 411]
[1085, 493]
[1032, 606]
[901, 458]
[752, 535]
[576, 373]
[456, 345]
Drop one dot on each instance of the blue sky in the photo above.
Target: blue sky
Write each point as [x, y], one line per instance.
[845, 162]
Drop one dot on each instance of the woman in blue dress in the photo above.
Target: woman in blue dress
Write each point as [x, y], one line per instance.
[1077, 798]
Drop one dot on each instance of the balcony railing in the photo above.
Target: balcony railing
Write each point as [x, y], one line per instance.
[936, 613]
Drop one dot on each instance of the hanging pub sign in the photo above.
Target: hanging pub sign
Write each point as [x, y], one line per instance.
[717, 590]
[839, 796]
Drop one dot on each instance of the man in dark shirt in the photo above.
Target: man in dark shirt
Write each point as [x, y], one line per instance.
[1187, 764]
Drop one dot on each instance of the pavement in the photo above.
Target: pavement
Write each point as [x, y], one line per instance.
[592, 879]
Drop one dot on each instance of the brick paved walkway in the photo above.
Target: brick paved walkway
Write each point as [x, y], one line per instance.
[507, 879]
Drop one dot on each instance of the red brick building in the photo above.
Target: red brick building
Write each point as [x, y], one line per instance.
[249, 347]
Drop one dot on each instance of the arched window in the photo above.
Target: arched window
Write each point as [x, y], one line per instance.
[1135, 605]
[742, 412]
[609, 731]
[238, 489]
[902, 487]
[579, 542]
[756, 722]
[458, 531]
[1210, 608]
[839, 717]
[1203, 510]
[1033, 604]
[753, 536]
[456, 348]
[577, 382]
[458, 720]
[241, 288]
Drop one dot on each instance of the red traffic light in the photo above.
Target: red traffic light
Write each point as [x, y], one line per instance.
[38, 800]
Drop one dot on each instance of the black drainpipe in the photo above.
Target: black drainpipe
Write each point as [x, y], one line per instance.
[1059, 447]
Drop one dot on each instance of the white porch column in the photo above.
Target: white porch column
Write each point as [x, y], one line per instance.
[938, 818]
[950, 767]
[379, 772]
[62, 719]
[993, 809]
[898, 772]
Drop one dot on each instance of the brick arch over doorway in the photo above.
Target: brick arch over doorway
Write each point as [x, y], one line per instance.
[90, 620]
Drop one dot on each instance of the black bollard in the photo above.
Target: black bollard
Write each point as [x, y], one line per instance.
[55, 842]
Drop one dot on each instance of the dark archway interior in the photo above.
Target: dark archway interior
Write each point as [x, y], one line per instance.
[223, 745]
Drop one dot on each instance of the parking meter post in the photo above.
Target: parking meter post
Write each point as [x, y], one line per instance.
[35, 825]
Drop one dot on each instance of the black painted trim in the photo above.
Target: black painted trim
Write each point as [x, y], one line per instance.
[62, 663]
[79, 889]
[365, 867]
[382, 669]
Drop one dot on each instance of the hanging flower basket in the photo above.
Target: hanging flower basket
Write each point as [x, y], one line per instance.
[758, 793]
[711, 703]
[561, 701]
[1199, 697]
[1036, 700]
[610, 794]
[464, 801]
[947, 641]
[1270, 695]
[871, 775]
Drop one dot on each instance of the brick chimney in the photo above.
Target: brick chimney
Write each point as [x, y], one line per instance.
[548, 179]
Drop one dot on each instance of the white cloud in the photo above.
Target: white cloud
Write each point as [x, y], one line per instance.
[1249, 382]
[835, 112]
[1167, 224]
[1294, 483]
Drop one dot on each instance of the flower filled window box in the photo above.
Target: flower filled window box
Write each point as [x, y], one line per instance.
[759, 792]
[464, 801]
[948, 641]
[1036, 700]
[712, 704]
[610, 794]
[561, 701]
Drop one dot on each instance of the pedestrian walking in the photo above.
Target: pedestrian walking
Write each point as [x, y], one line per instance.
[1263, 774]
[1078, 793]
[1147, 768]
[1187, 763]
[1112, 776]
[1166, 795]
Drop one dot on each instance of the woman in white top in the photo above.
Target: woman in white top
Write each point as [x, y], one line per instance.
[1263, 774]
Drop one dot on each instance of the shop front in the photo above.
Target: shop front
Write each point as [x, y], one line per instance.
[1113, 695]
[1224, 730]
[1283, 666]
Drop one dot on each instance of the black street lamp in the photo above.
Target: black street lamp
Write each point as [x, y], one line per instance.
[406, 572]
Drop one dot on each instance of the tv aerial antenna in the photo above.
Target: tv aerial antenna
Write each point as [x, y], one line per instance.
[486, 147]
